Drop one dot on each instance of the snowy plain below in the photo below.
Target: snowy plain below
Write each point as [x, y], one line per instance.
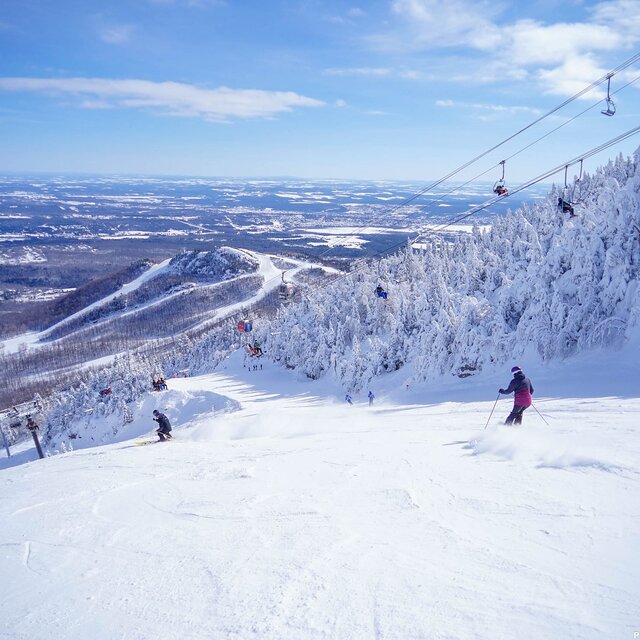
[281, 512]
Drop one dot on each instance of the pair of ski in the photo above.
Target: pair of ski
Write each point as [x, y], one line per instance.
[143, 442]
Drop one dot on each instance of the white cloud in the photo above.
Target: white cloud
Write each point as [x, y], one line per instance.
[623, 16]
[563, 56]
[117, 34]
[573, 75]
[166, 98]
[446, 23]
[531, 43]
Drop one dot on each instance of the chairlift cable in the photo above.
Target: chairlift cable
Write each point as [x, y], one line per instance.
[486, 205]
[544, 176]
[528, 146]
[607, 77]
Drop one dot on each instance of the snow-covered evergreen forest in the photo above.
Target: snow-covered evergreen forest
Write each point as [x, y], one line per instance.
[538, 283]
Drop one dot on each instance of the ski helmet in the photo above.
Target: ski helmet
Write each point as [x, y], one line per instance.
[515, 369]
[156, 412]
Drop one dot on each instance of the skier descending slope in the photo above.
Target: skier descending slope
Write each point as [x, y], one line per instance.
[523, 389]
[164, 426]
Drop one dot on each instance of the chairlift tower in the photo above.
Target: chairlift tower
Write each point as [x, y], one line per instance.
[19, 413]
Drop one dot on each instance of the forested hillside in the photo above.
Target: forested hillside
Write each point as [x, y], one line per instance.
[539, 283]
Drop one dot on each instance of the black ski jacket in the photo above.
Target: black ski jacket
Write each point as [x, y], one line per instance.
[163, 422]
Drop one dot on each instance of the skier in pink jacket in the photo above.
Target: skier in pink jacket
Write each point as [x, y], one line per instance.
[522, 387]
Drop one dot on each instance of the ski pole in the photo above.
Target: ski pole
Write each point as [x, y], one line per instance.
[543, 420]
[492, 410]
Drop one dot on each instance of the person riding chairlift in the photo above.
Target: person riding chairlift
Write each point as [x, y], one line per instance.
[501, 190]
[566, 207]
[159, 385]
[254, 350]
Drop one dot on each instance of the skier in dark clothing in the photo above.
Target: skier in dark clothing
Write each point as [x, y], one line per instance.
[381, 293]
[164, 426]
[522, 388]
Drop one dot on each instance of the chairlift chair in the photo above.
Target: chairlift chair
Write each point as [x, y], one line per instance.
[245, 326]
[286, 290]
[611, 107]
[576, 192]
[499, 187]
[566, 200]
[254, 350]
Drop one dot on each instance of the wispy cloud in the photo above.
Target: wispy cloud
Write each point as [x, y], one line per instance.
[116, 34]
[348, 17]
[359, 71]
[199, 4]
[165, 98]
[377, 72]
[479, 106]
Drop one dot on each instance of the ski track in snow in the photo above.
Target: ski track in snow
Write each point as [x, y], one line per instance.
[271, 279]
[299, 517]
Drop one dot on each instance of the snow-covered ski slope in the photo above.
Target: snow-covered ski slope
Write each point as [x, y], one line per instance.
[32, 338]
[271, 279]
[287, 514]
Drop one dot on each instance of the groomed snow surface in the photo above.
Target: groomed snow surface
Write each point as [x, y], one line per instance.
[287, 514]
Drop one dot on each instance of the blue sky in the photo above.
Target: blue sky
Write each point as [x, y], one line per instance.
[385, 89]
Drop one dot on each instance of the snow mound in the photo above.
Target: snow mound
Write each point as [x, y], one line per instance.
[183, 408]
[222, 264]
[541, 448]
